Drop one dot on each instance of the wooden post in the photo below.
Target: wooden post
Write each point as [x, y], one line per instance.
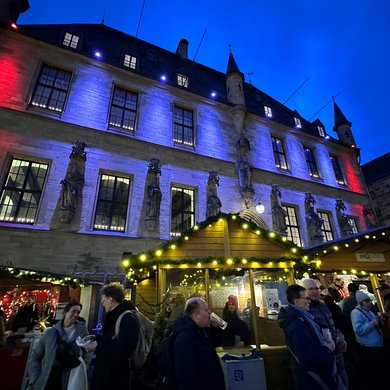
[253, 308]
[207, 285]
[375, 284]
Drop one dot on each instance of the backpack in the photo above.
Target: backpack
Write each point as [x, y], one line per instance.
[166, 361]
[146, 330]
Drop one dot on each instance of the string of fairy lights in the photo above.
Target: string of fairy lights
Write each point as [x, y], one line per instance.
[143, 265]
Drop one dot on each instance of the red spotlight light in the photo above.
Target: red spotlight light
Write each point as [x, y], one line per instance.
[14, 26]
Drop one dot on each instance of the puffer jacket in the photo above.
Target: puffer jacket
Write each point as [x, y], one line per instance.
[310, 356]
[44, 354]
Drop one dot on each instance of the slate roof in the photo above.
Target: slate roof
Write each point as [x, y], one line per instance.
[113, 44]
[377, 169]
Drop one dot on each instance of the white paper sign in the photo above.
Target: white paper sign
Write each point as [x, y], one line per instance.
[370, 257]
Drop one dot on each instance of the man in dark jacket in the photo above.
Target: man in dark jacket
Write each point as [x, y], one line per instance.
[27, 316]
[314, 365]
[196, 363]
[113, 350]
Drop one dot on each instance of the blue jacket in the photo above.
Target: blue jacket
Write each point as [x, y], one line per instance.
[44, 355]
[196, 363]
[308, 348]
[366, 332]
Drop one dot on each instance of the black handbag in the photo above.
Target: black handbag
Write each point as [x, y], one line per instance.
[67, 357]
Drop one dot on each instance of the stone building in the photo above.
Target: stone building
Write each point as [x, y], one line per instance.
[377, 175]
[107, 144]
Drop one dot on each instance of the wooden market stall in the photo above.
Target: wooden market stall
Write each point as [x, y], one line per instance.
[362, 259]
[229, 255]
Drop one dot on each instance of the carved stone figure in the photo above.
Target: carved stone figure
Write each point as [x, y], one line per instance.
[342, 219]
[154, 194]
[213, 202]
[278, 214]
[313, 221]
[244, 173]
[369, 217]
[72, 184]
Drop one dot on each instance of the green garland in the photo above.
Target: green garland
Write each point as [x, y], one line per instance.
[138, 269]
[7, 272]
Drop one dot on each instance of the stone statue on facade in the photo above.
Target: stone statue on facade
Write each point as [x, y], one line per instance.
[345, 228]
[154, 194]
[278, 214]
[369, 217]
[72, 184]
[213, 202]
[313, 221]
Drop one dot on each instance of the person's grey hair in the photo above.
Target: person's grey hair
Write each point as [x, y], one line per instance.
[308, 282]
[192, 304]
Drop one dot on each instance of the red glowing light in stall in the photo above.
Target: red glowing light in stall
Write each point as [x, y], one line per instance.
[14, 26]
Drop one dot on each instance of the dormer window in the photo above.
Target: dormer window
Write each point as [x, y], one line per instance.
[321, 131]
[298, 123]
[71, 40]
[268, 111]
[182, 80]
[129, 61]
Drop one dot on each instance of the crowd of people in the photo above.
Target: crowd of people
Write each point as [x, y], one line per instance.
[337, 340]
[336, 336]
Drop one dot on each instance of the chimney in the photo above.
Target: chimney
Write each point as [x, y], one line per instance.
[182, 48]
[11, 9]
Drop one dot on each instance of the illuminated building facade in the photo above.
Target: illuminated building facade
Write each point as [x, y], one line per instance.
[109, 144]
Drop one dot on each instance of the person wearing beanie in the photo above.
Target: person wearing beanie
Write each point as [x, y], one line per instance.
[368, 333]
[237, 331]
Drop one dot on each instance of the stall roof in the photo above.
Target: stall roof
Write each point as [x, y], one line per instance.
[368, 251]
[226, 240]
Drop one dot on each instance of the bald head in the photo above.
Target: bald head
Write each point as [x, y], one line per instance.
[198, 309]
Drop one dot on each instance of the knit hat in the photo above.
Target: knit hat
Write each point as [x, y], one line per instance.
[232, 300]
[361, 296]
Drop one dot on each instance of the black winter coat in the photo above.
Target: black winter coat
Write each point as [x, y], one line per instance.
[112, 367]
[197, 365]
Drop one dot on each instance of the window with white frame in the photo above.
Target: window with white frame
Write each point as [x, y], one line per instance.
[51, 88]
[183, 210]
[129, 61]
[182, 80]
[112, 203]
[297, 122]
[268, 111]
[279, 153]
[293, 229]
[22, 191]
[311, 162]
[71, 40]
[321, 131]
[353, 225]
[123, 111]
[326, 226]
[337, 169]
[183, 126]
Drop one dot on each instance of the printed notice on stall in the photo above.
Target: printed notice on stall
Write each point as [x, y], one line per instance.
[370, 257]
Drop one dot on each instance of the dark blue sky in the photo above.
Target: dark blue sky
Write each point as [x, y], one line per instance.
[343, 46]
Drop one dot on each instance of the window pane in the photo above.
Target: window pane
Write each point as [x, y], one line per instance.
[51, 89]
[123, 109]
[183, 130]
[183, 210]
[111, 208]
[293, 233]
[326, 226]
[22, 191]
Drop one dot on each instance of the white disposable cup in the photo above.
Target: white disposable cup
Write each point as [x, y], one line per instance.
[218, 320]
